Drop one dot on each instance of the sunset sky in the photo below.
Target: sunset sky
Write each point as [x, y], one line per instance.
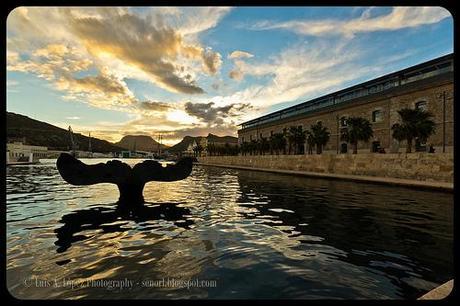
[193, 71]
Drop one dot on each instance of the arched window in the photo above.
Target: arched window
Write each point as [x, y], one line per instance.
[421, 105]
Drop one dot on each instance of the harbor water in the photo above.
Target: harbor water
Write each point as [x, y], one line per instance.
[224, 234]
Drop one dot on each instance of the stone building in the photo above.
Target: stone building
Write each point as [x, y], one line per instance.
[427, 85]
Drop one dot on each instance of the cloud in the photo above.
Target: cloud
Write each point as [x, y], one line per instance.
[131, 45]
[398, 18]
[212, 114]
[199, 19]
[211, 60]
[236, 74]
[59, 64]
[240, 54]
[155, 106]
[73, 118]
[300, 72]
[135, 41]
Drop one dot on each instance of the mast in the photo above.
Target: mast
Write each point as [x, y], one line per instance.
[160, 137]
[89, 145]
[72, 142]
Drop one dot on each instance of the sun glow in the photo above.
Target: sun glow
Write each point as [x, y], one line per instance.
[181, 116]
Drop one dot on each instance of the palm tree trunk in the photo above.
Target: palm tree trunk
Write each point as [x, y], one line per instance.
[318, 149]
[409, 145]
[355, 148]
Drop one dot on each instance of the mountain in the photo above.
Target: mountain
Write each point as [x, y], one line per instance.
[140, 142]
[183, 144]
[187, 140]
[222, 139]
[43, 134]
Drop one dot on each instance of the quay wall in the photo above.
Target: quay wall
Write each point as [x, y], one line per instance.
[437, 167]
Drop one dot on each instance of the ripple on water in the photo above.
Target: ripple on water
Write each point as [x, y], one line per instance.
[259, 235]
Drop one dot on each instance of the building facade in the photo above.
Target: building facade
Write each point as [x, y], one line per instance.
[17, 151]
[427, 86]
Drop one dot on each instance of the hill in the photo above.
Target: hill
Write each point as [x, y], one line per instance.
[222, 139]
[184, 143]
[40, 133]
[140, 142]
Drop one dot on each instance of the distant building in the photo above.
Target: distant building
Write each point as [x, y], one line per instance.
[427, 86]
[209, 140]
[18, 152]
[190, 149]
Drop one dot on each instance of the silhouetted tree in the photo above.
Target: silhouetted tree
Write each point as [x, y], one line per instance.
[264, 145]
[320, 136]
[253, 145]
[310, 142]
[197, 150]
[244, 148]
[277, 142]
[296, 138]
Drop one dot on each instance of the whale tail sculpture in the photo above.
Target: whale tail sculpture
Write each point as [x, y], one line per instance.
[130, 181]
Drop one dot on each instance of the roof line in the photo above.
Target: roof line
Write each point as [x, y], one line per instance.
[356, 86]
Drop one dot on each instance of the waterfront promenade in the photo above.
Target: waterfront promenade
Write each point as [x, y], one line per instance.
[419, 170]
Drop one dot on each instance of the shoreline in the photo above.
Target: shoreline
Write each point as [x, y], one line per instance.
[429, 185]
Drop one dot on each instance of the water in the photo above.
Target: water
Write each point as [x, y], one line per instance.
[232, 233]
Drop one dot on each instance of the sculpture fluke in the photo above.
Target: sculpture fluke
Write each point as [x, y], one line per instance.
[130, 181]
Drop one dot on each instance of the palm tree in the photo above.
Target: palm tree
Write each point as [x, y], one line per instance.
[358, 129]
[296, 137]
[415, 123]
[310, 142]
[320, 136]
[211, 148]
[244, 148]
[198, 149]
[277, 142]
[264, 145]
[227, 148]
[253, 145]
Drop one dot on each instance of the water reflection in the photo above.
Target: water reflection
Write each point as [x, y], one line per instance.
[358, 224]
[259, 235]
[109, 220]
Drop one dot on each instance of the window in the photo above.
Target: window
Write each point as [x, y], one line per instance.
[271, 133]
[421, 105]
[343, 121]
[377, 116]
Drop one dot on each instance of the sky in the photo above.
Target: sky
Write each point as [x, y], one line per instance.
[116, 71]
